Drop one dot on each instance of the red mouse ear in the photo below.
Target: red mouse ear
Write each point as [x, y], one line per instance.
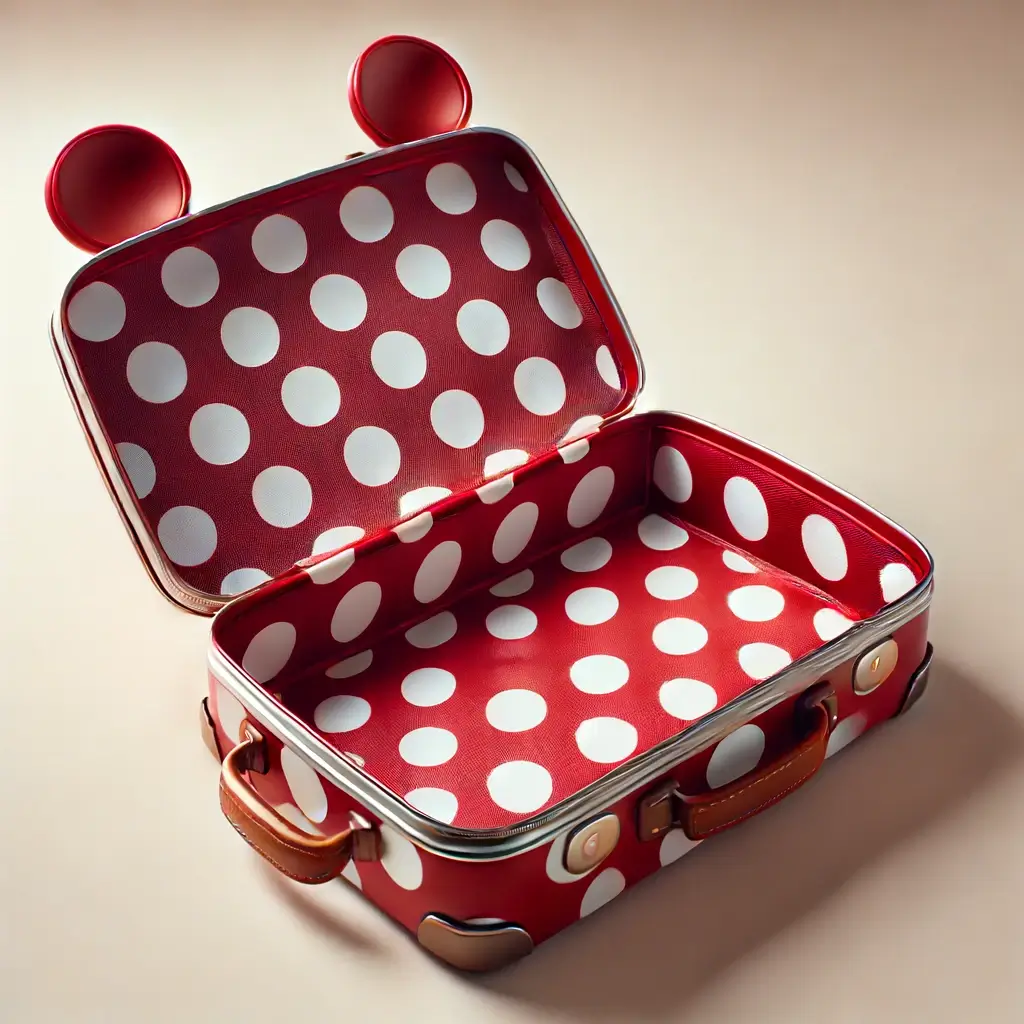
[401, 88]
[114, 182]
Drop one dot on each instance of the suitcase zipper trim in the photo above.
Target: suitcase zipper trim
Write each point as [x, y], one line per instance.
[638, 772]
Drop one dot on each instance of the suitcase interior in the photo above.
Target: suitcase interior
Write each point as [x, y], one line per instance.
[507, 649]
[310, 364]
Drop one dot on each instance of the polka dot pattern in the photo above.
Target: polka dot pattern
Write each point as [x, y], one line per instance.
[534, 682]
[318, 312]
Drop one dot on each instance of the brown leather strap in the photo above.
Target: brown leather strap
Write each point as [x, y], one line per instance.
[704, 815]
[300, 856]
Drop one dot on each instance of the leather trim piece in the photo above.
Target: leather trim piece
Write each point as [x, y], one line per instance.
[473, 947]
[709, 813]
[918, 682]
[302, 857]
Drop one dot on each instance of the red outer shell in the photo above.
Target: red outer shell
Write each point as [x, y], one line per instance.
[402, 88]
[114, 182]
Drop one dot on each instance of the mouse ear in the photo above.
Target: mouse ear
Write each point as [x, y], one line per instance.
[112, 183]
[401, 89]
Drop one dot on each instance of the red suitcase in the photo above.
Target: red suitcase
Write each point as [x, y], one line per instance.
[488, 644]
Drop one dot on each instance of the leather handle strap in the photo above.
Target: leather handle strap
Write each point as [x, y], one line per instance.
[300, 856]
[709, 813]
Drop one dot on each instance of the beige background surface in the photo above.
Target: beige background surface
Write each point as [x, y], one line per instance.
[813, 215]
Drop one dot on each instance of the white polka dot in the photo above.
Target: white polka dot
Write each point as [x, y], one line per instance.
[338, 302]
[672, 474]
[414, 529]
[97, 312]
[400, 859]
[588, 556]
[341, 713]
[574, 451]
[372, 456]
[241, 580]
[756, 603]
[423, 271]
[845, 733]
[483, 326]
[398, 359]
[437, 571]
[759, 661]
[366, 214]
[673, 846]
[498, 463]
[219, 434]
[514, 585]
[679, 636]
[457, 418]
[583, 426]
[687, 699]
[428, 747]
[607, 369]
[336, 538]
[558, 304]
[250, 336]
[514, 533]
[671, 582]
[519, 786]
[427, 687]
[591, 606]
[331, 569]
[511, 622]
[505, 245]
[515, 179]
[450, 188]
[735, 755]
[516, 710]
[824, 547]
[658, 534]
[355, 611]
[606, 740]
[156, 372]
[282, 496]
[229, 710]
[269, 650]
[438, 804]
[735, 561]
[828, 623]
[306, 788]
[896, 580]
[599, 673]
[432, 632]
[351, 666]
[539, 386]
[311, 396]
[746, 509]
[189, 276]
[590, 496]
[139, 467]
[421, 498]
[603, 889]
[279, 244]
[187, 535]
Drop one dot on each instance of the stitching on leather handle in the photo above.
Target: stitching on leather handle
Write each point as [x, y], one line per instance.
[703, 834]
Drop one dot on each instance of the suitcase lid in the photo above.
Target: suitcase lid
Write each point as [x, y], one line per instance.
[267, 381]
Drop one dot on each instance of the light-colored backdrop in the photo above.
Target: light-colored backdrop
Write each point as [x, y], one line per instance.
[813, 215]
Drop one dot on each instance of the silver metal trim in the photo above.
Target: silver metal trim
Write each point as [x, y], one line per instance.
[638, 772]
[159, 567]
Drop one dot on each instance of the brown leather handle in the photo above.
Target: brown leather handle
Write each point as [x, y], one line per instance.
[709, 813]
[300, 856]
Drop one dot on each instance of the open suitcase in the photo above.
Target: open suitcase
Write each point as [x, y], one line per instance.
[488, 644]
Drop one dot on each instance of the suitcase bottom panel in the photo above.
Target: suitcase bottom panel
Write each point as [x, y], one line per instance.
[500, 652]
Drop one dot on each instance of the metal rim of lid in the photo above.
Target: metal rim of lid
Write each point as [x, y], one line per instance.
[380, 133]
[65, 222]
